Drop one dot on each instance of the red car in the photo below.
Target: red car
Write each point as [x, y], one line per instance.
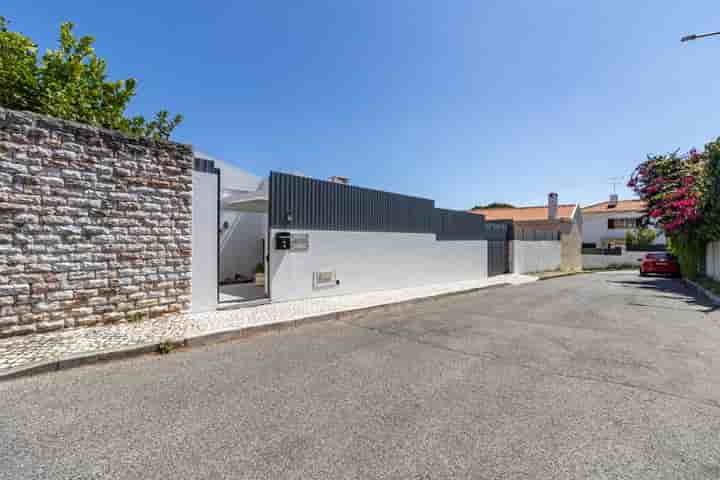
[660, 263]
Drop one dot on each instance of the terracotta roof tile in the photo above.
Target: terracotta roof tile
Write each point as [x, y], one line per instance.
[622, 206]
[524, 214]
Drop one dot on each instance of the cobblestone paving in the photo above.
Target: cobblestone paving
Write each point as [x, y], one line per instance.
[28, 349]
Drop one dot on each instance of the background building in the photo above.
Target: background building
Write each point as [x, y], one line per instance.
[551, 222]
[607, 223]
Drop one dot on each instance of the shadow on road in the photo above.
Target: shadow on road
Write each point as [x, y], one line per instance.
[678, 289]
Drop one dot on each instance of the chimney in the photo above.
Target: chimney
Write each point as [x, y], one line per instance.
[613, 200]
[552, 206]
[339, 179]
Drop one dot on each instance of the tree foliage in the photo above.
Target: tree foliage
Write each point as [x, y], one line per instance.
[494, 205]
[19, 86]
[71, 82]
[711, 191]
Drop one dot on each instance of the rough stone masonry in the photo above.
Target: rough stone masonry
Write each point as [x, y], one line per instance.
[95, 226]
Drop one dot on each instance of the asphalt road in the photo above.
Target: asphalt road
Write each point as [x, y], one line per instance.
[592, 376]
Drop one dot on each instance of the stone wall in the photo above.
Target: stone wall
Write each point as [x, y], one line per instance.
[571, 249]
[95, 227]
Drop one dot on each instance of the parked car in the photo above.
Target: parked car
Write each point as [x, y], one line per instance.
[660, 263]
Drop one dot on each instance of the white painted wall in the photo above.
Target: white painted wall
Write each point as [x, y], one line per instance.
[712, 260]
[630, 259]
[366, 261]
[204, 242]
[241, 242]
[594, 229]
[540, 256]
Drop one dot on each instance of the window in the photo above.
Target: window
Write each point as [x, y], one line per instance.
[660, 256]
[616, 223]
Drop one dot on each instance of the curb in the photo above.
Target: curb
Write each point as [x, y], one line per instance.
[587, 272]
[707, 293]
[83, 359]
[78, 360]
[561, 275]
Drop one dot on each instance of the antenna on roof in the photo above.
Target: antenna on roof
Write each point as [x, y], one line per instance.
[614, 181]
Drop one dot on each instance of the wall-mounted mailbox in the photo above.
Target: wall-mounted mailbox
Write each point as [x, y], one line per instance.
[282, 241]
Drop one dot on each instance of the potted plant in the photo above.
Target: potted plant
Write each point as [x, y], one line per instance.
[260, 274]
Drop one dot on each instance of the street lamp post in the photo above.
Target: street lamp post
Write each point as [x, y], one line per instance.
[687, 38]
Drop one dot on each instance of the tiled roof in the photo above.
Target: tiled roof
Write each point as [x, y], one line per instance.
[621, 206]
[524, 214]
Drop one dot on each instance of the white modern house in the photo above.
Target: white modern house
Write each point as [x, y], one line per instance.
[314, 238]
[605, 224]
[311, 238]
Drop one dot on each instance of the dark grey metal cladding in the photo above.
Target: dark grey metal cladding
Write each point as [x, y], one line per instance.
[528, 234]
[498, 234]
[458, 225]
[499, 230]
[498, 257]
[204, 165]
[306, 203]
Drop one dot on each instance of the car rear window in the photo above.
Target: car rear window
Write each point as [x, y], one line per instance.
[658, 256]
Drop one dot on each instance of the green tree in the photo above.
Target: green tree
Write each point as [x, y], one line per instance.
[71, 82]
[641, 237]
[19, 87]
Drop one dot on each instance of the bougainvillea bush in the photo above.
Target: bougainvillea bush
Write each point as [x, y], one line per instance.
[674, 186]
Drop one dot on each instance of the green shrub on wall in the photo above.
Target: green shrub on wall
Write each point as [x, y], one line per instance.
[71, 83]
[690, 253]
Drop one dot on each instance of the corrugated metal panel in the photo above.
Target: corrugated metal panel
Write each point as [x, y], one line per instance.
[204, 165]
[305, 203]
[458, 225]
[499, 230]
[530, 234]
[498, 257]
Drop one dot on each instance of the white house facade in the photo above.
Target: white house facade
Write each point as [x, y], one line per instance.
[605, 224]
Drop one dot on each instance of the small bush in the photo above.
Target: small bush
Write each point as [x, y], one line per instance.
[166, 347]
[135, 317]
[709, 284]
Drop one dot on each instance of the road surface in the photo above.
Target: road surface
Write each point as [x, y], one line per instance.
[590, 376]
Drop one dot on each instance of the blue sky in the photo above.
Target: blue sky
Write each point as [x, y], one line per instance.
[459, 101]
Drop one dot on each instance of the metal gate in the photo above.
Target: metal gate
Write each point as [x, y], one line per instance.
[498, 257]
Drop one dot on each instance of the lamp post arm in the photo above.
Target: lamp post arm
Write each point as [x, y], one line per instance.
[687, 38]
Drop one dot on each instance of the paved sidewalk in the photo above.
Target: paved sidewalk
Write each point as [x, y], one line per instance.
[17, 352]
